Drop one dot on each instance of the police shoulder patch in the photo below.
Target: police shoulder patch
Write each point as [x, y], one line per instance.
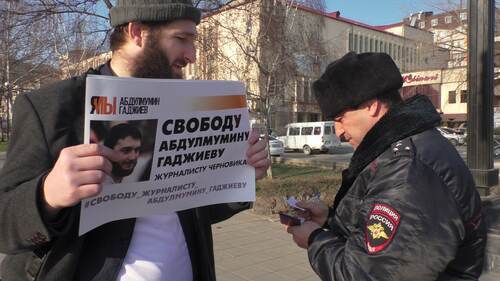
[381, 227]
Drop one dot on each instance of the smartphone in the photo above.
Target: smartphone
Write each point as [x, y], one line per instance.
[290, 219]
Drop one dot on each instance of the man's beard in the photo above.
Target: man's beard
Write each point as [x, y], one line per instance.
[119, 172]
[153, 63]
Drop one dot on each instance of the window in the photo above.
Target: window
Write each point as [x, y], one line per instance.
[306, 131]
[447, 19]
[452, 97]
[366, 45]
[317, 131]
[355, 42]
[298, 89]
[351, 43]
[306, 91]
[463, 96]
[361, 45]
[372, 49]
[463, 16]
[376, 46]
[421, 24]
[434, 22]
[328, 130]
[313, 117]
[293, 131]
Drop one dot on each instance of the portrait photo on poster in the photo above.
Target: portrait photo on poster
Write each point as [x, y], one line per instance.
[134, 140]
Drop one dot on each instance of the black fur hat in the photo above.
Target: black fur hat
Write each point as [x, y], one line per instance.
[354, 79]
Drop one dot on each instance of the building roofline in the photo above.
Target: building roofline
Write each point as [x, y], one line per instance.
[331, 15]
[387, 26]
[336, 16]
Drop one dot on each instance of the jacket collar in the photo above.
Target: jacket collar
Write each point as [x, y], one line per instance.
[415, 115]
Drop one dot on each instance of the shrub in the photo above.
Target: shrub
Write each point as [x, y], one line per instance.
[301, 182]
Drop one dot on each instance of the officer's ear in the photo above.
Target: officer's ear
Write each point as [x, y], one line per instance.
[371, 107]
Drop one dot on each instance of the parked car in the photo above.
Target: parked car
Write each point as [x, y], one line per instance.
[276, 147]
[310, 136]
[496, 151]
[452, 136]
[462, 132]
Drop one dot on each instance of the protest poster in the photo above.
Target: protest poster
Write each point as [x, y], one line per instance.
[182, 143]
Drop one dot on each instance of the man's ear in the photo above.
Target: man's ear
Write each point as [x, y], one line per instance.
[136, 33]
[374, 107]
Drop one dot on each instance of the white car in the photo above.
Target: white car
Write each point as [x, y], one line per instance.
[276, 147]
[452, 136]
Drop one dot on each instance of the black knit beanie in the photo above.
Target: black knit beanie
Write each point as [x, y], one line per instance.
[153, 10]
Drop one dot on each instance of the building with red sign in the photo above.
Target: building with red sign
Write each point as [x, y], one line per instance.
[447, 89]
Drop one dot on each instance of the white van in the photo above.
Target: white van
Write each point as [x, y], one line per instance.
[310, 136]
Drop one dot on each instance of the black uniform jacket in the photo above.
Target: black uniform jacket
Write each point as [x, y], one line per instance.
[407, 208]
[45, 122]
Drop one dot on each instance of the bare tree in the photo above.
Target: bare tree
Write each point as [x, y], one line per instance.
[450, 28]
[44, 39]
[271, 46]
[267, 44]
[39, 37]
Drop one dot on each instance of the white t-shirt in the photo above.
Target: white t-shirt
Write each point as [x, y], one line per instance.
[157, 251]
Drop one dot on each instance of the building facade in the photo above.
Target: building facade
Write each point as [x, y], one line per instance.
[447, 89]
[449, 30]
[278, 50]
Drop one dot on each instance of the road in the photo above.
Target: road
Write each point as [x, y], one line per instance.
[342, 154]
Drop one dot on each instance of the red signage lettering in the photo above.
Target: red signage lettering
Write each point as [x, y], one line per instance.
[412, 78]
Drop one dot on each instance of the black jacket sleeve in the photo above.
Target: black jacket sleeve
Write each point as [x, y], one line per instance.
[22, 226]
[421, 243]
[221, 212]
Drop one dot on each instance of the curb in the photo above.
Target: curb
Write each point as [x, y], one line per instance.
[311, 163]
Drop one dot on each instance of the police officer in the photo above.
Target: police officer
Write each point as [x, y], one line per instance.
[407, 208]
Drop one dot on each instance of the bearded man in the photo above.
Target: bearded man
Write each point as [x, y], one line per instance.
[48, 172]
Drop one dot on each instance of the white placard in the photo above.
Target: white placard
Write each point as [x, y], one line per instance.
[193, 142]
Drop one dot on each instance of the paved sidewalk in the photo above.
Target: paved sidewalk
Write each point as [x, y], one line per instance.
[250, 247]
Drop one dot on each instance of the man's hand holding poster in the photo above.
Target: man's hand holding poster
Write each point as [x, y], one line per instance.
[182, 145]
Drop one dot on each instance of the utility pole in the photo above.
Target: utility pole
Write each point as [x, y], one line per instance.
[481, 19]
